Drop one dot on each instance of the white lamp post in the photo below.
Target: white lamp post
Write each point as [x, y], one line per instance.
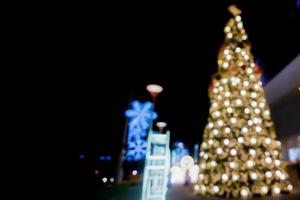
[154, 91]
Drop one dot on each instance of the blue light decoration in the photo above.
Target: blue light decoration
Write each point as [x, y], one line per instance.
[298, 3]
[81, 157]
[178, 151]
[139, 120]
[264, 79]
[105, 158]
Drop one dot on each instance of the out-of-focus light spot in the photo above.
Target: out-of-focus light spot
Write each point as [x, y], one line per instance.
[105, 158]
[104, 179]
[96, 171]
[134, 172]
[81, 157]
[112, 180]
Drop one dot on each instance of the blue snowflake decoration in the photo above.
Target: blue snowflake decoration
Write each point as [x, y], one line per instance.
[139, 120]
[136, 150]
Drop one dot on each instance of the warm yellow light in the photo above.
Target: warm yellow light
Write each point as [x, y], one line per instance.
[226, 103]
[290, 187]
[262, 104]
[268, 160]
[215, 90]
[246, 83]
[233, 120]
[226, 141]
[252, 152]
[268, 141]
[268, 174]
[210, 125]
[243, 92]
[235, 177]
[253, 94]
[266, 112]
[224, 81]
[250, 163]
[256, 120]
[253, 176]
[238, 18]
[210, 141]
[225, 65]
[213, 163]
[257, 110]
[227, 130]
[216, 189]
[228, 57]
[244, 193]
[277, 190]
[229, 35]
[240, 140]
[215, 132]
[238, 102]
[240, 25]
[238, 50]
[227, 29]
[227, 94]
[229, 110]
[219, 150]
[258, 129]
[217, 113]
[250, 122]
[201, 176]
[196, 187]
[220, 122]
[233, 152]
[244, 37]
[277, 162]
[253, 103]
[225, 177]
[264, 189]
[253, 140]
[244, 129]
[232, 165]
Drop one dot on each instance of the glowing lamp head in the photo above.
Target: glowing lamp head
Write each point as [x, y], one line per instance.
[154, 89]
[161, 124]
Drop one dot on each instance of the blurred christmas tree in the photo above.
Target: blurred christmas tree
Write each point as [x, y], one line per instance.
[240, 155]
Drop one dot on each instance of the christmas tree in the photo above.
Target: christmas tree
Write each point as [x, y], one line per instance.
[240, 155]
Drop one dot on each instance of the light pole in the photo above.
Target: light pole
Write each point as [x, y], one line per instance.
[154, 91]
[120, 171]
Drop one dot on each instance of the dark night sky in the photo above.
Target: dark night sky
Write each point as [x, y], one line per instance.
[124, 47]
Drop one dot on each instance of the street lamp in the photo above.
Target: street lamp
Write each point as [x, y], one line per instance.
[154, 91]
[161, 126]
